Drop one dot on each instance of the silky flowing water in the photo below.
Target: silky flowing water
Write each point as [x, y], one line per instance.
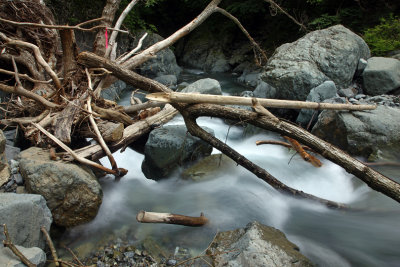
[369, 235]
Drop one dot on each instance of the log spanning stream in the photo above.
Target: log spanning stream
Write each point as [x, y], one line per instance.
[369, 236]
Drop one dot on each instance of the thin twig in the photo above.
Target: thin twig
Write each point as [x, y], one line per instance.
[23, 76]
[51, 245]
[120, 171]
[133, 51]
[117, 25]
[73, 154]
[74, 256]
[62, 27]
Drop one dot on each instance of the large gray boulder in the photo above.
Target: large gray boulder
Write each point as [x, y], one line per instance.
[255, 245]
[72, 192]
[329, 54]
[203, 51]
[204, 86]
[318, 94]
[381, 75]
[4, 167]
[24, 214]
[169, 147]
[163, 64]
[34, 255]
[361, 133]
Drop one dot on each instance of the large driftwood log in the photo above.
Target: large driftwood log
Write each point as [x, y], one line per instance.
[190, 98]
[111, 132]
[169, 218]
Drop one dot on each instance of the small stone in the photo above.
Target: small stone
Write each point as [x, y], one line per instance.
[129, 254]
[171, 262]
[138, 252]
[20, 190]
[18, 178]
[9, 184]
[359, 96]
[14, 164]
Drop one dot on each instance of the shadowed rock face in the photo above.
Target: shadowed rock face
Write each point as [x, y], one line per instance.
[361, 133]
[169, 147]
[255, 245]
[24, 214]
[329, 54]
[72, 192]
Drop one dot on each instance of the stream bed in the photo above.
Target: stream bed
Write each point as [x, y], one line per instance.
[368, 236]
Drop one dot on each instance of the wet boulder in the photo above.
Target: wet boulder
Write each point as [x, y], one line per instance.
[204, 86]
[72, 191]
[318, 94]
[35, 255]
[163, 64]
[381, 76]
[169, 147]
[361, 133]
[255, 245]
[24, 214]
[328, 54]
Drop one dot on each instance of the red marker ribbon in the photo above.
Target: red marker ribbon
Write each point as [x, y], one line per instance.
[106, 35]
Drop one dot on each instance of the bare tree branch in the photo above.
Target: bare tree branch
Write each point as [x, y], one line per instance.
[252, 41]
[62, 27]
[117, 25]
[38, 57]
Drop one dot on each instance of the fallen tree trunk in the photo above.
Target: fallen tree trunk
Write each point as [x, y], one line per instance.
[190, 98]
[169, 218]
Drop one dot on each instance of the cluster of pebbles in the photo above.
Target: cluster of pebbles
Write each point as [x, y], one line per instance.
[122, 255]
[384, 100]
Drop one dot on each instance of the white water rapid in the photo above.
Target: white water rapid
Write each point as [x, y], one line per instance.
[369, 236]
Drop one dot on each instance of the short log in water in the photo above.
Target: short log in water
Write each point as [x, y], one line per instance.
[169, 218]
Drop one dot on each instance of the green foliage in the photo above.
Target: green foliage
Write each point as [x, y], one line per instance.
[324, 21]
[315, 2]
[243, 9]
[384, 37]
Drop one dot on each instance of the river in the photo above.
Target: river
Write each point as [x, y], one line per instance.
[369, 236]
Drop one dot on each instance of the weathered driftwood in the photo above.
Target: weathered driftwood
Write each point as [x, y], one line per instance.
[120, 172]
[112, 115]
[65, 119]
[190, 98]
[131, 133]
[169, 218]
[133, 109]
[110, 131]
[38, 56]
